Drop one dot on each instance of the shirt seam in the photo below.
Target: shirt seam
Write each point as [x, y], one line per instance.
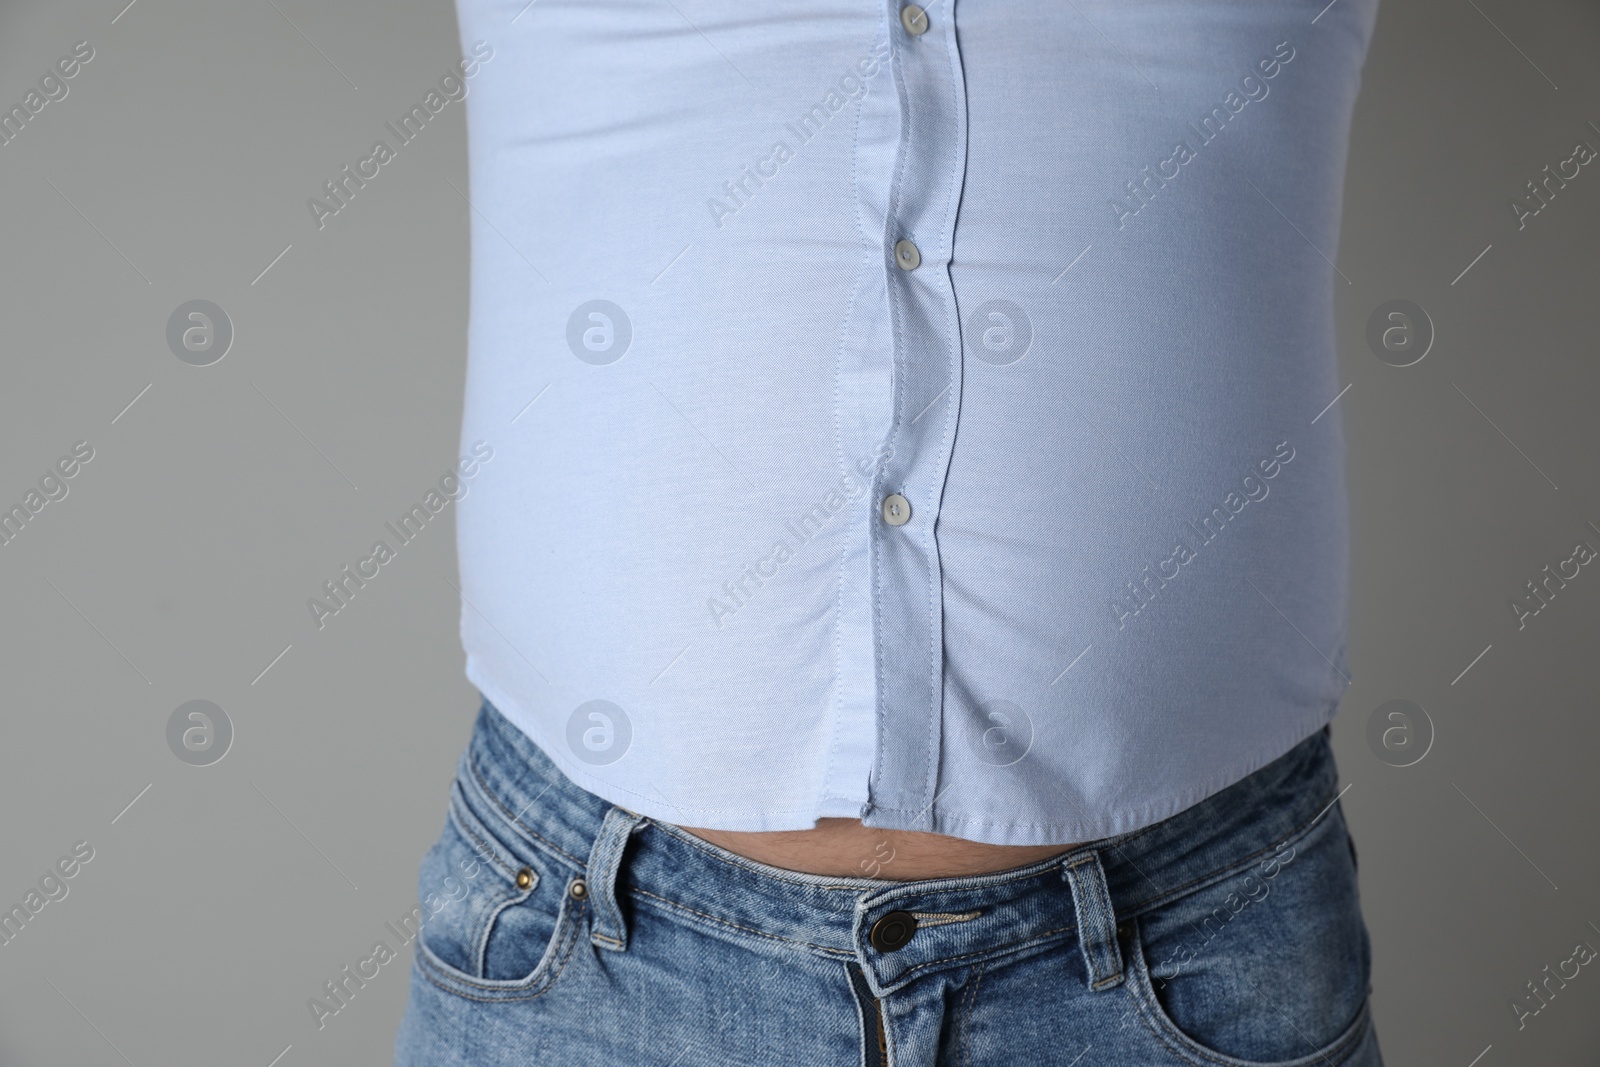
[957, 89]
[896, 391]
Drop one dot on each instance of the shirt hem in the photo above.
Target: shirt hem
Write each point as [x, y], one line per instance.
[976, 828]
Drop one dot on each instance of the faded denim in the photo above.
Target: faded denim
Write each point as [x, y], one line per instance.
[1228, 935]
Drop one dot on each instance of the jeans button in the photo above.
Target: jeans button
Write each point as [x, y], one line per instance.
[893, 931]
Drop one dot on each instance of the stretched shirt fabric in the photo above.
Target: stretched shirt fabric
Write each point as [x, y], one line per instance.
[919, 416]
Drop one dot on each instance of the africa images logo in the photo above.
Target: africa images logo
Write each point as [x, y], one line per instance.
[1252, 87]
[343, 188]
[1140, 594]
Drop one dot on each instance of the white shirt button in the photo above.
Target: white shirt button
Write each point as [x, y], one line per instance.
[914, 19]
[896, 510]
[906, 255]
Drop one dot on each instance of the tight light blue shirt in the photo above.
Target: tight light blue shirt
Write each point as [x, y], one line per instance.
[922, 419]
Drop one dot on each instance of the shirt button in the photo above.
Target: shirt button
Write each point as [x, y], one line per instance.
[893, 931]
[914, 19]
[896, 510]
[906, 256]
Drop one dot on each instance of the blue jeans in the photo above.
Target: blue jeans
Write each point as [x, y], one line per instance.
[557, 928]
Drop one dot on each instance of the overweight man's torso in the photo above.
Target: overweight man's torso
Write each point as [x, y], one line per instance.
[886, 422]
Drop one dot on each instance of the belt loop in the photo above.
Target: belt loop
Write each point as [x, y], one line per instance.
[1097, 922]
[605, 859]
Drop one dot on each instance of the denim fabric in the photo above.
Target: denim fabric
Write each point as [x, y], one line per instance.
[1230, 934]
[1104, 392]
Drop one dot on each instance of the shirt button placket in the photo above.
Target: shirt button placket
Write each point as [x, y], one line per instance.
[907, 602]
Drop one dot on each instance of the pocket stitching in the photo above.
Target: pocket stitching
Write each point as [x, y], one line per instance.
[492, 849]
[1165, 1030]
[538, 982]
[476, 833]
[481, 949]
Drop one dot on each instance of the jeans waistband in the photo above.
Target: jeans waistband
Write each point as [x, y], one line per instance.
[1078, 895]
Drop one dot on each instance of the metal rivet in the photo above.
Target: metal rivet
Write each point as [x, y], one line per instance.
[893, 931]
[525, 878]
[896, 510]
[906, 255]
[579, 889]
[914, 19]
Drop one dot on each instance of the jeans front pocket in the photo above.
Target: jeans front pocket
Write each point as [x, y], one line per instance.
[499, 921]
[1269, 964]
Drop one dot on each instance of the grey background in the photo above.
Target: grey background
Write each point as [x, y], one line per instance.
[178, 566]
